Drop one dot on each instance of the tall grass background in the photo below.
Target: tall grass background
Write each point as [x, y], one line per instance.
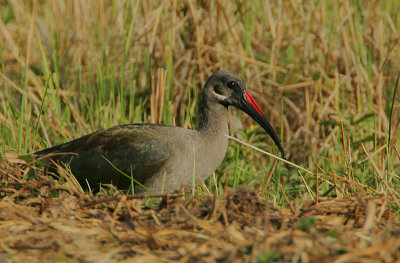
[324, 72]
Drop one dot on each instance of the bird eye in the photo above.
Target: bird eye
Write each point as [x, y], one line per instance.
[232, 84]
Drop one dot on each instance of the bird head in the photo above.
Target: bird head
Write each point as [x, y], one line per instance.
[229, 89]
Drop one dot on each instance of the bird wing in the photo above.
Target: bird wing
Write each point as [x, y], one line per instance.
[138, 150]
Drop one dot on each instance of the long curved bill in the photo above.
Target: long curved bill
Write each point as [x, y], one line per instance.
[250, 106]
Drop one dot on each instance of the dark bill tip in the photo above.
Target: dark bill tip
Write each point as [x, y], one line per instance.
[251, 107]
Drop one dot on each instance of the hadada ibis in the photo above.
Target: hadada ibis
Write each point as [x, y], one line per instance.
[162, 158]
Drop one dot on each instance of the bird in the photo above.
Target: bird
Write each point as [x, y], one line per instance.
[158, 159]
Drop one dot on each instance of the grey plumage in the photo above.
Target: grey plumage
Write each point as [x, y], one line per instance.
[163, 158]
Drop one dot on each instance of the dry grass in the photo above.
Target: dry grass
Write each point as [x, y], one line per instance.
[307, 56]
[42, 221]
[324, 71]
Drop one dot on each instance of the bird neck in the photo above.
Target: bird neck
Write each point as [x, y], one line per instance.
[211, 142]
[213, 117]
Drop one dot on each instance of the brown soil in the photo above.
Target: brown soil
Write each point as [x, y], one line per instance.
[42, 220]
